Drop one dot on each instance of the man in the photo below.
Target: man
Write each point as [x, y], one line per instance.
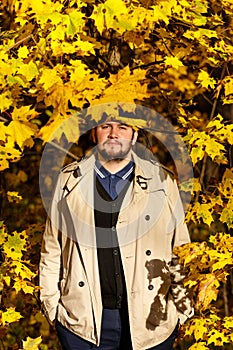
[107, 274]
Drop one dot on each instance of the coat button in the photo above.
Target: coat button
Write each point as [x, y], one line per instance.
[150, 287]
[148, 252]
[147, 217]
[81, 284]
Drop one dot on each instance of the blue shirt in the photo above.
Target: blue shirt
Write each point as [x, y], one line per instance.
[114, 183]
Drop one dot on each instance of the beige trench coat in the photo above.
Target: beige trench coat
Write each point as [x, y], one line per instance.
[150, 223]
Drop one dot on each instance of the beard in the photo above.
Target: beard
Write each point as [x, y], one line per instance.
[113, 153]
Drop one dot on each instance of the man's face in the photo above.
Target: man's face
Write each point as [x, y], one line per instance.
[114, 140]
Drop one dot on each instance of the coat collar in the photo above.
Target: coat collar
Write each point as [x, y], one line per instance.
[149, 175]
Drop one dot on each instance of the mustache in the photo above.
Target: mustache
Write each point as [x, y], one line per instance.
[112, 141]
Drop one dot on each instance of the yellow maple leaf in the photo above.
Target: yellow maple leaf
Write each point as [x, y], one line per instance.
[105, 15]
[229, 133]
[199, 346]
[84, 47]
[57, 37]
[124, 86]
[30, 70]
[22, 270]
[202, 142]
[24, 113]
[200, 212]
[197, 151]
[191, 185]
[208, 291]
[227, 214]
[59, 125]
[89, 88]
[173, 61]
[205, 80]
[49, 78]
[216, 123]
[228, 322]
[6, 66]
[8, 153]
[3, 233]
[21, 132]
[224, 259]
[3, 129]
[74, 21]
[20, 284]
[13, 197]
[7, 280]
[39, 8]
[112, 109]
[226, 186]
[23, 52]
[4, 164]
[5, 100]
[205, 213]
[78, 71]
[214, 149]
[59, 97]
[32, 343]
[10, 316]
[15, 244]
[200, 329]
[217, 337]
[228, 86]
[163, 10]
[61, 48]
[228, 100]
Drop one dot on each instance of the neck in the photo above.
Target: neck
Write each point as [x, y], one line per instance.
[114, 165]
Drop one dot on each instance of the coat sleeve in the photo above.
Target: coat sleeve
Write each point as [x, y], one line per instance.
[50, 262]
[180, 294]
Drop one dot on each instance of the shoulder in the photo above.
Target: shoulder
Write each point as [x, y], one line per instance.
[74, 165]
[78, 168]
[73, 168]
[70, 167]
[162, 167]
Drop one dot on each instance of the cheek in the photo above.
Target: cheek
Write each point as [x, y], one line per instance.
[101, 137]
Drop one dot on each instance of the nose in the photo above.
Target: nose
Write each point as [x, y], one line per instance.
[113, 133]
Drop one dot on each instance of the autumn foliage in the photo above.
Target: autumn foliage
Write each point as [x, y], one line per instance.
[172, 56]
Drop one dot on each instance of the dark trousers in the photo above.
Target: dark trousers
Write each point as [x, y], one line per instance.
[115, 335]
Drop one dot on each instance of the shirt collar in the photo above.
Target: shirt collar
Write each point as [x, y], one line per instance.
[123, 173]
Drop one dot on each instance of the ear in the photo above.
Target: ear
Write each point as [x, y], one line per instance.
[93, 135]
[135, 136]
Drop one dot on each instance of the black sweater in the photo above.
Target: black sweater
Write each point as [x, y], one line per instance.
[112, 280]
